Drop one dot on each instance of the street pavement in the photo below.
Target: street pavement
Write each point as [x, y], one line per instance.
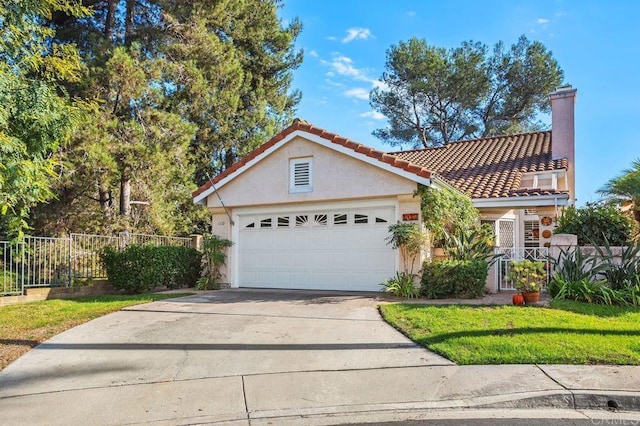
[285, 357]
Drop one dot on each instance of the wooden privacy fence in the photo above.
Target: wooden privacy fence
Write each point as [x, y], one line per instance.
[52, 262]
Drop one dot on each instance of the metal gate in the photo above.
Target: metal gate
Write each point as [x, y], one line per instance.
[509, 254]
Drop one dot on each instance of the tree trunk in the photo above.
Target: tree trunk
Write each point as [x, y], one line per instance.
[110, 21]
[125, 195]
[106, 201]
[229, 158]
[636, 215]
[128, 24]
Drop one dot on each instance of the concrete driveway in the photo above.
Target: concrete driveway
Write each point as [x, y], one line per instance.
[199, 359]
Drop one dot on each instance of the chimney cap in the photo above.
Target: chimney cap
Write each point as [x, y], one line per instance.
[563, 91]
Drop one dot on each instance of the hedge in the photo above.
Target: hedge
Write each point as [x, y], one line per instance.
[454, 278]
[137, 269]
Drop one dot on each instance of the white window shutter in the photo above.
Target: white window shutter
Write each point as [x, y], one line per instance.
[300, 175]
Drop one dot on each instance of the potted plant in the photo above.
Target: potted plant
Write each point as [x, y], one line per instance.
[529, 277]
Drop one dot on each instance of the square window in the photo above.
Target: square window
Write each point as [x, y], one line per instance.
[320, 219]
[283, 222]
[265, 223]
[340, 219]
[360, 218]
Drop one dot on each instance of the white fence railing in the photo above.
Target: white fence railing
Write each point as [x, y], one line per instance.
[12, 269]
[51, 262]
[46, 261]
[509, 254]
[84, 262]
[155, 240]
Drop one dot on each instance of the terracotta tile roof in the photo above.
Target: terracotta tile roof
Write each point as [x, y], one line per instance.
[490, 167]
[393, 160]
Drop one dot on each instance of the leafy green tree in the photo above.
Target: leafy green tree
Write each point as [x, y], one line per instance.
[36, 115]
[445, 211]
[432, 96]
[232, 65]
[625, 189]
[182, 89]
[596, 224]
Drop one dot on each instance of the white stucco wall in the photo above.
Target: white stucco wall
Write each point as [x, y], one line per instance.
[335, 177]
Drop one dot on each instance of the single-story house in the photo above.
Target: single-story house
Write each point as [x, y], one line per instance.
[310, 209]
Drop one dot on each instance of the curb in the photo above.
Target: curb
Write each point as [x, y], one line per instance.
[564, 401]
[603, 400]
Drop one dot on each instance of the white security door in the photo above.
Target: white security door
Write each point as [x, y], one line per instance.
[323, 250]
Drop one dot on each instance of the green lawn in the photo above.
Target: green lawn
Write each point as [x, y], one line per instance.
[25, 325]
[566, 333]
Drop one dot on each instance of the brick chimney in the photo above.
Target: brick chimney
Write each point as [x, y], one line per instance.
[563, 132]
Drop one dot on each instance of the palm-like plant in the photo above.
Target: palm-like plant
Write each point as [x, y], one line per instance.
[625, 188]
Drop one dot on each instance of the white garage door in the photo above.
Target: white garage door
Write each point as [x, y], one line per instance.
[324, 249]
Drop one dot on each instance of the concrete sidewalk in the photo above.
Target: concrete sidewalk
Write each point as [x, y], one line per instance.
[283, 358]
[333, 397]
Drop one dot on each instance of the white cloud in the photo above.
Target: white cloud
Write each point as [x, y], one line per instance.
[377, 84]
[333, 83]
[357, 33]
[358, 93]
[411, 13]
[343, 65]
[331, 38]
[313, 53]
[373, 114]
[543, 21]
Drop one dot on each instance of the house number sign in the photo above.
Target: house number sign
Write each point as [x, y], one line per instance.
[409, 216]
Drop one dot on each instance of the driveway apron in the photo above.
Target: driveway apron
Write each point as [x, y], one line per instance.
[189, 357]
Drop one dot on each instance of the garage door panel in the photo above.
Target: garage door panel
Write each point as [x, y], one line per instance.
[283, 260]
[249, 277]
[317, 250]
[264, 240]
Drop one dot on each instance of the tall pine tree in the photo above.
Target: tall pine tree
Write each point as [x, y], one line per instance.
[181, 90]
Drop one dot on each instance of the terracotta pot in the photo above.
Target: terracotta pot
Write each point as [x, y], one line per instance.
[531, 297]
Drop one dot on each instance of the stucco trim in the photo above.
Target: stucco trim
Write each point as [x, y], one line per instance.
[369, 160]
[519, 202]
[201, 198]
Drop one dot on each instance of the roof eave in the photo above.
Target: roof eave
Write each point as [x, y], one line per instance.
[555, 200]
[201, 198]
[439, 182]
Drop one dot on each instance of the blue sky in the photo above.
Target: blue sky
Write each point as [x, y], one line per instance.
[597, 43]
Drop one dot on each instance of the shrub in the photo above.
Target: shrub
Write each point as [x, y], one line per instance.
[213, 258]
[597, 292]
[402, 285]
[445, 211]
[527, 275]
[409, 239]
[454, 278]
[572, 264]
[472, 243]
[137, 269]
[595, 224]
[619, 270]
[583, 290]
